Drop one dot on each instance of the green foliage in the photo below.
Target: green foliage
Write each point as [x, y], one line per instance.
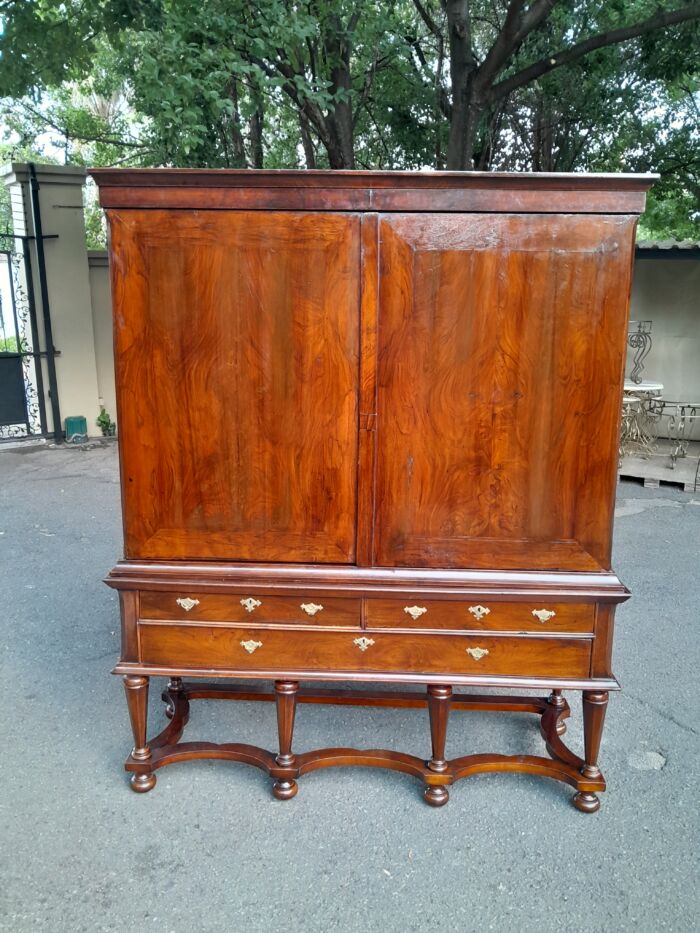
[105, 424]
[9, 345]
[226, 83]
[95, 224]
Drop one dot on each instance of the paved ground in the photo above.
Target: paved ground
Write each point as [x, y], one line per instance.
[210, 850]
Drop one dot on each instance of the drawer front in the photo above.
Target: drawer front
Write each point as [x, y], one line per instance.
[484, 615]
[251, 608]
[217, 647]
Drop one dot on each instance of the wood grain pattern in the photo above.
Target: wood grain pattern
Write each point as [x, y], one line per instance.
[456, 200]
[318, 180]
[501, 347]
[237, 348]
[208, 576]
[372, 191]
[212, 648]
[601, 660]
[129, 614]
[370, 391]
[562, 765]
[439, 702]
[455, 615]
[212, 607]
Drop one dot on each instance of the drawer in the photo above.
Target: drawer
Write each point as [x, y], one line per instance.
[485, 615]
[245, 607]
[218, 647]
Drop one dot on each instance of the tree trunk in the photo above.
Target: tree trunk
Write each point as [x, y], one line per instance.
[341, 143]
[239, 157]
[465, 108]
[306, 141]
[255, 131]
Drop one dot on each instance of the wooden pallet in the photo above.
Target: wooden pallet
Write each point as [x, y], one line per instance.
[655, 470]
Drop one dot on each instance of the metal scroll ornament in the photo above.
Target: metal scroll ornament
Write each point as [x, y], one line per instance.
[187, 603]
[363, 643]
[477, 653]
[640, 341]
[251, 646]
[415, 612]
[544, 615]
[311, 608]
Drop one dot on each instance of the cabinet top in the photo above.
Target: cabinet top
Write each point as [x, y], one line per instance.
[280, 189]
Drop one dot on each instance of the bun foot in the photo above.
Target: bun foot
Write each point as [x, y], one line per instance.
[436, 796]
[142, 783]
[285, 790]
[586, 803]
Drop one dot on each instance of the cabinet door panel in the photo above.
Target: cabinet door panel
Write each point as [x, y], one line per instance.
[237, 352]
[501, 348]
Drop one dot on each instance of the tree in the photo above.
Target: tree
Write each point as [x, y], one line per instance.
[311, 66]
[488, 84]
[489, 46]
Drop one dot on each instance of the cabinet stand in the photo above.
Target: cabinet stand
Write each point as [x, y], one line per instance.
[437, 773]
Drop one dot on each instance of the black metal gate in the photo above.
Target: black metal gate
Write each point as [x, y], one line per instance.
[22, 411]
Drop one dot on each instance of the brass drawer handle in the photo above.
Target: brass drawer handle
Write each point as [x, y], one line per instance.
[250, 604]
[311, 608]
[478, 653]
[363, 643]
[415, 612]
[479, 611]
[543, 615]
[251, 646]
[187, 603]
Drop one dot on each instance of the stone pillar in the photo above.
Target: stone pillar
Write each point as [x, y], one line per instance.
[68, 279]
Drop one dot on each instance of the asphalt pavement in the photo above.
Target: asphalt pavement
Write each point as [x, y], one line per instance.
[209, 849]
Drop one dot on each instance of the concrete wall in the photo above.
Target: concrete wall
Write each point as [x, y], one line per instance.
[67, 272]
[101, 299]
[667, 293]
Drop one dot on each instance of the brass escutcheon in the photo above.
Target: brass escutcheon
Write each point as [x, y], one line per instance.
[543, 615]
[363, 643]
[477, 653]
[415, 612]
[187, 603]
[251, 646]
[250, 604]
[311, 608]
[479, 611]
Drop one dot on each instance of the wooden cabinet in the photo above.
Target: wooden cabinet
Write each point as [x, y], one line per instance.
[368, 433]
[500, 354]
[237, 349]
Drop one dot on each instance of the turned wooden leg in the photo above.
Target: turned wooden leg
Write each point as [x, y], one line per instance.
[285, 696]
[137, 700]
[594, 706]
[438, 711]
[558, 701]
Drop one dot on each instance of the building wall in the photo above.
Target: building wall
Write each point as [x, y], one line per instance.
[667, 293]
[67, 274]
[102, 328]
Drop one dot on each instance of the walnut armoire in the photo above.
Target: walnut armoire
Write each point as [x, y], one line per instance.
[368, 434]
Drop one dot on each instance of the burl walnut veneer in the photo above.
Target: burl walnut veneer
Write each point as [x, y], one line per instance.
[368, 433]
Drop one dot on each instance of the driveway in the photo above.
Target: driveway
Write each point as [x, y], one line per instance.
[209, 849]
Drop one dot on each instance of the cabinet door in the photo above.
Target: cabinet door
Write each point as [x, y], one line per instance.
[501, 344]
[236, 337]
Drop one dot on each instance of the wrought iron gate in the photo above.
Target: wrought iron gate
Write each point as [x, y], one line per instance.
[22, 412]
